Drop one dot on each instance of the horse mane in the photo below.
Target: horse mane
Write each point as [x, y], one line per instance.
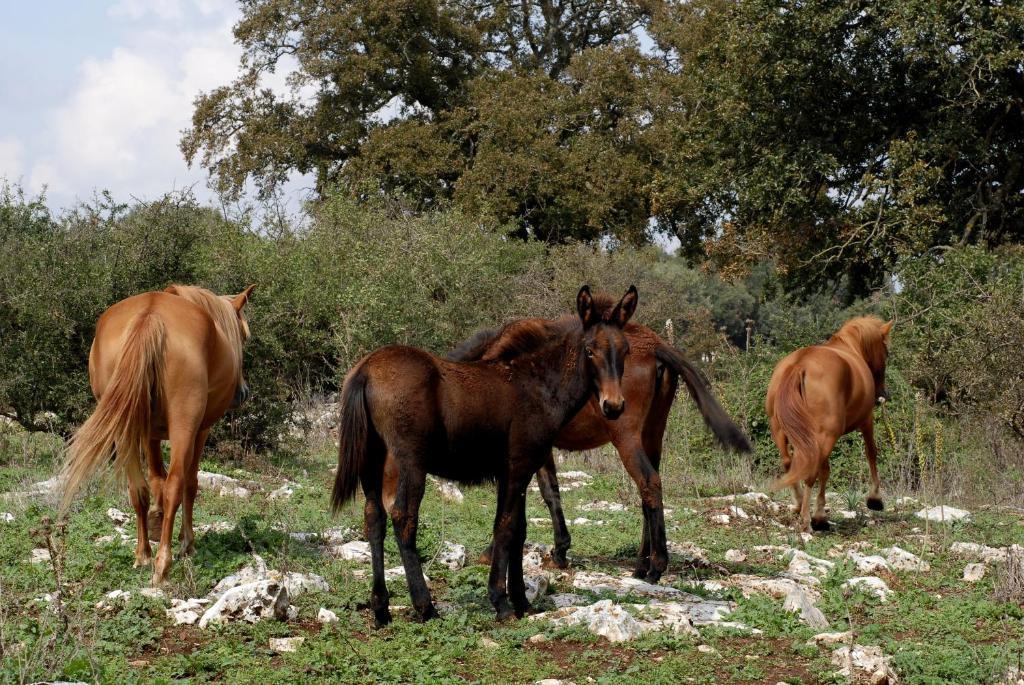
[864, 333]
[473, 348]
[220, 310]
[525, 336]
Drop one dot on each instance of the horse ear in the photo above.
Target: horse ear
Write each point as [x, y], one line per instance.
[624, 310]
[887, 326]
[172, 289]
[585, 306]
[239, 300]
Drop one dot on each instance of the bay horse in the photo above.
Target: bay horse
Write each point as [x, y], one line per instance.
[649, 384]
[818, 394]
[406, 413]
[163, 366]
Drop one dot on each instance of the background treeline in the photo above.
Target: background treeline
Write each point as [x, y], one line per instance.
[830, 136]
[354, 276]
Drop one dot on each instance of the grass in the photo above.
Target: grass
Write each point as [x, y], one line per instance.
[936, 627]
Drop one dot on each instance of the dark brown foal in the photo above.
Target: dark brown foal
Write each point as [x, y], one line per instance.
[406, 413]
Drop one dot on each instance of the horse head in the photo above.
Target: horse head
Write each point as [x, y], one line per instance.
[605, 346]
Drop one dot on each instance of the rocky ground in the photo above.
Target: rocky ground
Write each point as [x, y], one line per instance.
[923, 592]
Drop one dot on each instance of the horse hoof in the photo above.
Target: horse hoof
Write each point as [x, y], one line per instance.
[381, 618]
[429, 613]
[558, 559]
[142, 563]
[521, 609]
[876, 504]
[820, 524]
[652, 577]
[505, 612]
[640, 572]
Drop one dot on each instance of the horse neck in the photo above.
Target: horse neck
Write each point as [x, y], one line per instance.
[558, 373]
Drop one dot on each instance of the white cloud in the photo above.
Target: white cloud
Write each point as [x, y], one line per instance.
[119, 128]
[11, 153]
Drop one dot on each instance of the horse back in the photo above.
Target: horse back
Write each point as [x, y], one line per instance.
[195, 364]
[458, 415]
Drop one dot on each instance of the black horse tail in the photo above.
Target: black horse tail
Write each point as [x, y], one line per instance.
[724, 428]
[353, 435]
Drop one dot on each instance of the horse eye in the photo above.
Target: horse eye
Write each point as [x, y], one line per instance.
[590, 352]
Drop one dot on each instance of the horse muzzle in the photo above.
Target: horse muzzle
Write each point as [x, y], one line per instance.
[612, 409]
[241, 395]
[882, 398]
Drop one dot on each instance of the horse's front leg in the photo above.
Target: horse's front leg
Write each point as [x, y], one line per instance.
[506, 578]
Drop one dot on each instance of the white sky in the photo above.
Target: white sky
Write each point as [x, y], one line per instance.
[96, 94]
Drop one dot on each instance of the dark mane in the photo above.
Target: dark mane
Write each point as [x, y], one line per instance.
[473, 348]
[523, 336]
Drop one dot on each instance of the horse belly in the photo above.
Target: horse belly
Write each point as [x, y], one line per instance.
[472, 456]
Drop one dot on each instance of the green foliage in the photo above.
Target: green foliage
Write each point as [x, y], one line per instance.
[834, 138]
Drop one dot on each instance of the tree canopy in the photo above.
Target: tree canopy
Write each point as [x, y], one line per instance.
[834, 137]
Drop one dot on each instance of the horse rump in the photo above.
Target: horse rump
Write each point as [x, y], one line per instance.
[795, 423]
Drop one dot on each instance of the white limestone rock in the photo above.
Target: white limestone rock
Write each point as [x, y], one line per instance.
[974, 572]
[326, 616]
[357, 550]
[798, 601]
[870, 584]
[735, 556]
[902, 560]
[944, 514]
[282, 645]
[863, 664]
[602, 505]
[452, 555]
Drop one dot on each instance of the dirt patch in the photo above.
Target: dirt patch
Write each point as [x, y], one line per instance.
[774, 657]
[603, 655]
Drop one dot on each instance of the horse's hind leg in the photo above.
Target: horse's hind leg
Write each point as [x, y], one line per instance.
[140, 502]
[871, 449]
[547, 479]
[187, 535]
[820, 520]
[182, 444]
[653, 557]
[157, 475]
[405, 514]
[375, 525]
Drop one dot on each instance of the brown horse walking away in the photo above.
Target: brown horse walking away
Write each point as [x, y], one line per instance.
[649, 383]
[818, 394]
[163, 366]
[406, 413]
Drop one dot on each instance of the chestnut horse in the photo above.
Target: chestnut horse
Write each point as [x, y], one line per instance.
[163, 366]
[818, 394]
[406, 413]
[649, 383]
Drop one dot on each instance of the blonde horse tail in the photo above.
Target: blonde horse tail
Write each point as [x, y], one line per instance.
[122, 416]
[795, 423]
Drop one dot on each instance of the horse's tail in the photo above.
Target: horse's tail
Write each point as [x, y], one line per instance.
[724, 428]
[123, 414]
[353, 437]
[795, 422]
